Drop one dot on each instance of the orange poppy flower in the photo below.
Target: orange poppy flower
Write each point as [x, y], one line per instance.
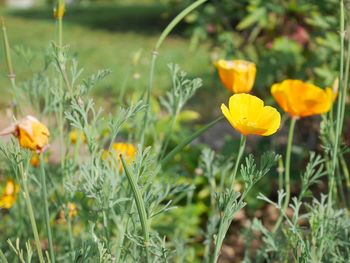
[31, 134]
[237, 76]
[301, 99]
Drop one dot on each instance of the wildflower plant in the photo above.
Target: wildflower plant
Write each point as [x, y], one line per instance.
[118, 178]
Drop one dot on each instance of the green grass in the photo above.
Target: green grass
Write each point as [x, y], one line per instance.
[105, 36]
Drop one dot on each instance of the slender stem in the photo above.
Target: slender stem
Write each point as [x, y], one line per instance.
[339, 107]
[46, 207]
[188, 140]
[70, 232]
[239, 156]
[223, 226]
[105, 226]
[2, 257]
[280, 171]
[11, 73]
[345, 169]
[31, 213]
[287, 172]
[155, 53]
[176, 20]
[168, 136]
[345, 84]
[140, 206]
[148, 96]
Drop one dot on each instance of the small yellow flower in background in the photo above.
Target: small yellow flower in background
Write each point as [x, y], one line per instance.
[76, 135]
[58, 11]
[301, 99]
[238, 76]
[35, 160]
[31, 134]
[248, 115]
[72, 212]
[128, 150]
[8, 197]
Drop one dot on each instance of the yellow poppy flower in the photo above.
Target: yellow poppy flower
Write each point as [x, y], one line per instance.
[126, 149]
[31, 134]
[72, 212]
[237, 76]
[301, 99]
[248, 115]
[8, 197]
[76, 135]
[58, 11]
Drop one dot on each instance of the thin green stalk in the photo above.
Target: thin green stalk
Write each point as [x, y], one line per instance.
[70, 232]
[239, 156]
[11, 73]
[46, 207]
[140, 205]
[148, 96]
[223, 226]
[345, 169]
[155, 53]
[31, 212]
[287, 172]
[280, 171]
[176, 20]
[106, 227]
[188, 140]
[339, 107]
[2, 257]
[345, 84]
[168, 136]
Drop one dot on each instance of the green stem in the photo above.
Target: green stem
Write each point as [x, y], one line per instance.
[46, 207]
[342, 90]
[155, 53]
[176, 20]
[31, 213]
[105, 226]
[11, 73]
[70, 232]
[280, 173]
[168, 136]
[2, 257]
[345, 169]
[239, 156]
[148, 96]
[345, 85]
[223, 226]
[188, 140]
[140, 205]
[287, 172]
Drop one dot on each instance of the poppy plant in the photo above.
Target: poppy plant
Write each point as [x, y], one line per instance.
[237, 76]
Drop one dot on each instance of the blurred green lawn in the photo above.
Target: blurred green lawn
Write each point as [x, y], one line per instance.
[105, 36]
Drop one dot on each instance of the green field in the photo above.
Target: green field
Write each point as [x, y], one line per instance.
[105, 37]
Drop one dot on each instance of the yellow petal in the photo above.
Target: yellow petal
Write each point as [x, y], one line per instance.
[248, 115]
